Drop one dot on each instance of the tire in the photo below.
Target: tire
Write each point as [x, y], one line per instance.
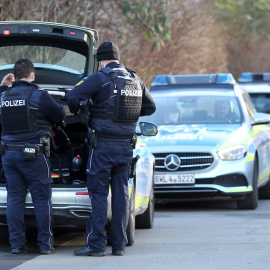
[146, 220]
[251, 199]
[131, 222]
[264, 192]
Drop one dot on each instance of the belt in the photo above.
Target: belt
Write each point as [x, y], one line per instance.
[17, 147]
[108, 138]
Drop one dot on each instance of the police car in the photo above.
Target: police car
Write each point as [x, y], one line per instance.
[211, 142]
[258, 87]
[63, 55]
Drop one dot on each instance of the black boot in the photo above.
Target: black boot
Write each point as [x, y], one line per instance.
[85, 251]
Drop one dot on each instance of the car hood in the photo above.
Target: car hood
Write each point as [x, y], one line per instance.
[206, 135]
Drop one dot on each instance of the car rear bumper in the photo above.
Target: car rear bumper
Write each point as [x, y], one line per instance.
[59, 211]
[72, 204]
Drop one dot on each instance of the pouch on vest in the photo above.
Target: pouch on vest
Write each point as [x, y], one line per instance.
[30, 152]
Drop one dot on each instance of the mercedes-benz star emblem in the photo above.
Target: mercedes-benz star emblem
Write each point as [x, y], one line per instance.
[172, 162]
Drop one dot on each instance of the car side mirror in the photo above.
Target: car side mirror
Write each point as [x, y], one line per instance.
[261, 119]
[148, 129]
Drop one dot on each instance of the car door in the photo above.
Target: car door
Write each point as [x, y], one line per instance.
[261, 138]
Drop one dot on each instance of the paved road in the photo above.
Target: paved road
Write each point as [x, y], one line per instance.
[201, 235]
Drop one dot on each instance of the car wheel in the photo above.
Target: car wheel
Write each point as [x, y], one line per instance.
[146, 220]
[264, 192]
[251, 199]
[131, 221]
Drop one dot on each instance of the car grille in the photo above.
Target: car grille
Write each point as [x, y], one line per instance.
[189, 161]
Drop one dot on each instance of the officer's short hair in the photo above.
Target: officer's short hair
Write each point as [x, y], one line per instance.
[22, 68]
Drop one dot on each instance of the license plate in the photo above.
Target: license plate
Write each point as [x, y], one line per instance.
[175, 179]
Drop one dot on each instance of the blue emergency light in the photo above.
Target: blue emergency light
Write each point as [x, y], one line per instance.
[248, 77]
[221, 78]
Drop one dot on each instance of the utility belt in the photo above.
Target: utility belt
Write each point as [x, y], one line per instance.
[16, 147]
[30, 151]
[96, 137]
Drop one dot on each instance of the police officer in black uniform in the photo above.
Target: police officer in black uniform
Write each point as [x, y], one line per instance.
[119, 97]
[27, 115]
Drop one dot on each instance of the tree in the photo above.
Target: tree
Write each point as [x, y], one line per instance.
[247, 24]
[243, 17]
[150, 16]
[154, 36]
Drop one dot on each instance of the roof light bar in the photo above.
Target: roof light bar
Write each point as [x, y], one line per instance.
[247, 77]
[160, 80]
[221, 78]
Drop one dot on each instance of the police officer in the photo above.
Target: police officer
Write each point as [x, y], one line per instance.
[119, 97]
[27, 114]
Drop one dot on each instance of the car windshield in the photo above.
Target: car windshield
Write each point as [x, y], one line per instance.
[43, 57]
[261, 102]
[195, 110]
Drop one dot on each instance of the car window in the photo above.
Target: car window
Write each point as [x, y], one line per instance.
[195, 109]
[261, 102]
[43, 57]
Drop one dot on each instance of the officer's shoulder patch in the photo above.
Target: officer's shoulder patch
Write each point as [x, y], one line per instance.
[80, 82]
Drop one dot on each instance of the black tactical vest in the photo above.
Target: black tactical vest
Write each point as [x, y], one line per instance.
[16, 116]
[124, 103]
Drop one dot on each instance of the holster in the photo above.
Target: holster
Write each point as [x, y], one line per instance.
[46, 146]
[93, 138]
[132, 166]
[2, 148]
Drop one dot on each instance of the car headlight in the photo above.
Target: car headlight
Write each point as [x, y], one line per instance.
[233, 153]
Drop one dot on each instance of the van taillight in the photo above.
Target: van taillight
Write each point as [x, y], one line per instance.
[82, 193]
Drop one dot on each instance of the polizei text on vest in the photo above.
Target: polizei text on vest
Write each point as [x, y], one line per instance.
[12, 103]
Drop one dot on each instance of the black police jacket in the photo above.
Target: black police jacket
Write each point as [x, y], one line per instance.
[98, 88]
[41, 105]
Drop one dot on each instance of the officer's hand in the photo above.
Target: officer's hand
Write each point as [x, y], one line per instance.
[8, 79]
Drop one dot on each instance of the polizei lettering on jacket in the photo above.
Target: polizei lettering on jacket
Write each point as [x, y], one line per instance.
[131, 90]
[13, 103]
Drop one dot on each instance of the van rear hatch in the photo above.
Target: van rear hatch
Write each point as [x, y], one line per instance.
[62, 54]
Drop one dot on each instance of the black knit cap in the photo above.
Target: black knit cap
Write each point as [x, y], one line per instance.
[108, 51]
